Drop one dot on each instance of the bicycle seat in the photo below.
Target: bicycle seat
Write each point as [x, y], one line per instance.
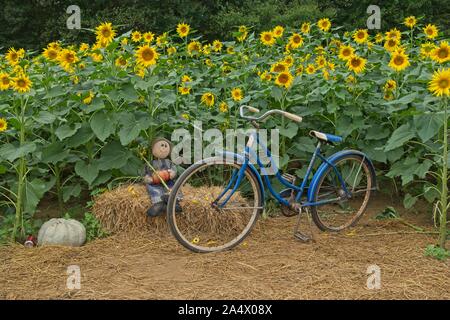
[326, 137]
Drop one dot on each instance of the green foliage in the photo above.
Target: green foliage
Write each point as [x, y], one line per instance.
[93, 227]
[388, 213]
[437, 252]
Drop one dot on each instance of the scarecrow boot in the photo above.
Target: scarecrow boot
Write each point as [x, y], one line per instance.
[157, 209]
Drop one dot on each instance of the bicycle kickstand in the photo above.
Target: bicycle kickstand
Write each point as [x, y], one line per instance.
[300, 235]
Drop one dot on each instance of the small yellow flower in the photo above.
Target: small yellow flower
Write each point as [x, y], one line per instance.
[186, 78]
[185, 116]
[431, 31]
[441, 53]
[278, 67]
[410, 22]
[22, 83]
[89, 98]
[267, 38]
[184, 90]
[265, 76]
[278, 31]
[84, 47]
[217, 45]
[121, 62]
[136, 36]
[306, 26]
[171, 50]
[183, 30]
[324, 24]
[148, 37]
[5, 81]
[296, 41]
[223, 107]
[360, 36]
[208, 99]
[390, 85]
[237, 94]
[356, 64]
[345, 52]
[399, 61]
[310, 69]
[105, 33]
[3, 125]
[284, 79]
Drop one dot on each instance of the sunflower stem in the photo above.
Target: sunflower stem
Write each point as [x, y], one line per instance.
[444, 191]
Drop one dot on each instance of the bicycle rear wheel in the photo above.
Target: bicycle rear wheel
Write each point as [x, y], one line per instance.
[342, 212]
[205, 223]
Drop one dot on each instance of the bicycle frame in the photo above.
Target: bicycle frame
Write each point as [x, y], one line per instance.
[248, 152]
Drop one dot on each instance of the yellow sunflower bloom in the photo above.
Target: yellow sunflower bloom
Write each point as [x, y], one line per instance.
[13, 56]
[136, 36]
[183, 30]
[324, 24]
[426, 49]
[345, 52]
[278, 67]
[278, 31]
[208, 99]
[184, 90]
[171, 50]
[288, 60]
[223, 107]
[217, 45]
[440, 83]
[148, 37]
[186, 78]
[410, 22]
[121, 62]
[237, 94]
[67, 58]
[394, 34]
[146, 56]
[3, 125]
[379, 38]
[194, 47]
[22, 83]
[5, 81]
[88, 99]
[356, 64]
[321, 62]
[267, 38]
[441, 54]
[399, 61]
[284, 79]
[431, 31]
[310, 69]
[83, 47]
[360, 36]
[105, 33]
[306, 26]
[265, 76]
[391, 44]
[299, 71]
[50, 54]
[390, 85]
[296, 41]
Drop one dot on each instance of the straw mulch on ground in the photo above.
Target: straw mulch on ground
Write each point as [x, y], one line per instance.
[270, 264]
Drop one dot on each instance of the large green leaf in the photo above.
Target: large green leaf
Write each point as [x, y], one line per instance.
[34, 191]
[289, 131]
[401, 135]
[12, 152]
[70, 191]
[88, 171]
[114, 156]
[45, 117]
[427, 125]
[129, 93]
[54, 152]
[103, 125]
[66, 131]
[129, 130]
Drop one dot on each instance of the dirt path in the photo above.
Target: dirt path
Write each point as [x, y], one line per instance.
[269, 265]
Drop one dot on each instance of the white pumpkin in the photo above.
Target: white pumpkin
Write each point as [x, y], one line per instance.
[62, 232]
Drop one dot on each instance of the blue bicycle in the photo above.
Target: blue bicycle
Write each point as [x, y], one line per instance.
[221, 197]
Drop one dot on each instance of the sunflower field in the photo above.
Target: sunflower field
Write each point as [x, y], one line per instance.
[79, 117]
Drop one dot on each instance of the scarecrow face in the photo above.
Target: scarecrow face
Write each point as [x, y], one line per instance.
[161, 149]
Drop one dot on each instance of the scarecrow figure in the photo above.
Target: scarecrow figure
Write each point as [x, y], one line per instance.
[161, 169]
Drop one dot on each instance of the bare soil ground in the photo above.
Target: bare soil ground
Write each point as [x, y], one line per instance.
[270, 264]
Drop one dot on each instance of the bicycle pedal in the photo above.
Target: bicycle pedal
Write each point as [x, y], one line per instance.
[302, 237]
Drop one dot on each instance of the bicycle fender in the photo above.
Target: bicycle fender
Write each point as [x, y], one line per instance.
[241, 159]
[333, 159]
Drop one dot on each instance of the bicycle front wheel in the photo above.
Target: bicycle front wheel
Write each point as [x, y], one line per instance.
[345, 193]
[209, 209]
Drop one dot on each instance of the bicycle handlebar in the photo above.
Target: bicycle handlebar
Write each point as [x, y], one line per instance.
[288, 115]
